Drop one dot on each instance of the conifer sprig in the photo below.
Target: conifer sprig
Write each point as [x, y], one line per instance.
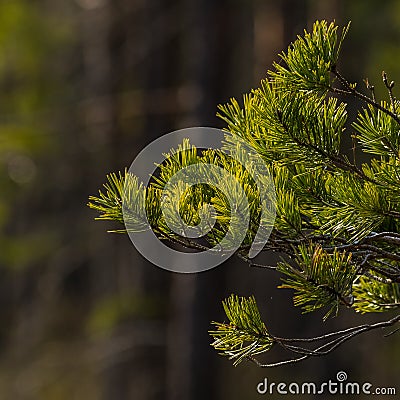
[337, 220]
[320, 279]
[245, 335]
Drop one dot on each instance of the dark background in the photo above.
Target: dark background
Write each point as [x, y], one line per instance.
[86, 84]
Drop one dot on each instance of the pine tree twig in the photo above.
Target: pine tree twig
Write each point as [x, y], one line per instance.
[295, 122]
[384, 234]
[371, 88]
[343, 336]
[386, 281]
[351, 90]
[389, 87]
[361, 266]
[337, 161]
[391, 276]
[188, 243]
[256, 265]
[385, 238]
[376, 251]
[381, 252]
[388, 266]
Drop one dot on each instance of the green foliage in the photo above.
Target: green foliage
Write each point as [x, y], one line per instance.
[320, 280]
[117, 190]
[378, 131]
[373, 296]
[337, 220]
[124, 199]
[310, 59]
[359, 207]
[245, 335]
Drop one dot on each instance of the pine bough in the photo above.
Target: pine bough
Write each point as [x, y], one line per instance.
[337, 221]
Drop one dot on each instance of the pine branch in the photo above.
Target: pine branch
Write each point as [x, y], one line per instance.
[308, 61]
[342, 337]
[337, 223]
[350, 89]
[320, 279]
[373, 296]
[246, 336]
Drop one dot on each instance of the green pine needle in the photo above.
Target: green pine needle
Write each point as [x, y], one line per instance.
[374, 296]
[245, 335]
[320, 280]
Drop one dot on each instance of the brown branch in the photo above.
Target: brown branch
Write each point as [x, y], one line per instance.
[342, 337]
[350, 90]
[389, 87]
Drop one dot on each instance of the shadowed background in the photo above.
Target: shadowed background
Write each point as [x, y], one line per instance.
[84, 86]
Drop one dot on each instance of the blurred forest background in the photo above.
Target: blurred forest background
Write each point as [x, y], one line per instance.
[84, 85]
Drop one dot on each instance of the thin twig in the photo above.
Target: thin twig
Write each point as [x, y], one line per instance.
[386, 281]
[326, 348]
[389, 87]
[352, 91]
[371, 88]
[253, 264]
